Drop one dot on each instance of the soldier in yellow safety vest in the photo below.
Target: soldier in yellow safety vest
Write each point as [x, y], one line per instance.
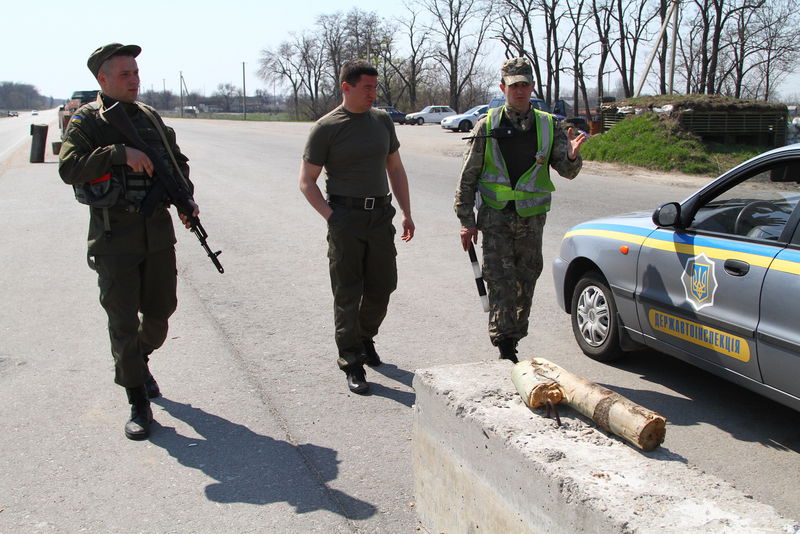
[508, 163]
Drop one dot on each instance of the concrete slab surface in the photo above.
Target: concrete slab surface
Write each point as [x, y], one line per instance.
[485, 462]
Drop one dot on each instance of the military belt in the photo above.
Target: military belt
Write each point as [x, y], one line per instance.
[367, 203]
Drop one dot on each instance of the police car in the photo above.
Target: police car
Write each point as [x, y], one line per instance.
[713, 280]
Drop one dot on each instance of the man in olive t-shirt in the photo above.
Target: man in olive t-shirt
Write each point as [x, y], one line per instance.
[358, 147]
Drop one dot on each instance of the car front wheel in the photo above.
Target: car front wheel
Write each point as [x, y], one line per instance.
[594, 318]
[420, 121]
[465, 126]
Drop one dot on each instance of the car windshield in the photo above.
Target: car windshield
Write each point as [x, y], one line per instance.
[476, 109]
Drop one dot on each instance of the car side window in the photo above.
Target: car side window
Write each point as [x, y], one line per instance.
[757, 207]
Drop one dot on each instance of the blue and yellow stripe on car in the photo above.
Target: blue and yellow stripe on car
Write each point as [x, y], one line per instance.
[755, 254]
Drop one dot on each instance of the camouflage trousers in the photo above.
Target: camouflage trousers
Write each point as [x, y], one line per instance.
[130, 285]
[512, 262]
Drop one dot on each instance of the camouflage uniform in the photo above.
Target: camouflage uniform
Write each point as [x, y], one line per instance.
[512, 244]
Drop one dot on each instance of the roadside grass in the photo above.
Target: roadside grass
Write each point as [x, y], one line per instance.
[659, 144]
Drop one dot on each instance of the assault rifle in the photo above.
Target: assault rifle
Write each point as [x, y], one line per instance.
[165, 184]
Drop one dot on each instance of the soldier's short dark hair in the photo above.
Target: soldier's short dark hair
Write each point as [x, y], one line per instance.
[353, 70]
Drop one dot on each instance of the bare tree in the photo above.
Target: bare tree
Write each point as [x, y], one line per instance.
[553, 15]
[334, 41]
[515, 30]
[602, 25]
[312, 65]
[362, 29]
[780, 29]
[632, 19]
[579, 52]
[411, 69]
[282, 65]
[227, 93]
[461, 27]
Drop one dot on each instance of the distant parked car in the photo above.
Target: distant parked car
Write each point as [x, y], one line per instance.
[397, 116]
[34, 112]
[465, 121]
[430, 114]
[538, 103]
[13, 114]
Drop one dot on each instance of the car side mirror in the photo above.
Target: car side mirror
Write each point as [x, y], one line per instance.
[667, 214]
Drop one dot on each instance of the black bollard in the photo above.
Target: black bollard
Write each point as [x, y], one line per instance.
[39, 133]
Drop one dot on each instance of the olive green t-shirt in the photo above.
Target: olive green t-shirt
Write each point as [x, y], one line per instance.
[353, 148]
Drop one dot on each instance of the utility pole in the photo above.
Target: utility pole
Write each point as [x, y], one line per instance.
[244, 94]
[180, 86]
[672, 10]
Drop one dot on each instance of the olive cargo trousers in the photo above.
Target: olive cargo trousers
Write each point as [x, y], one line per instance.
[133, 284]
[363, 268]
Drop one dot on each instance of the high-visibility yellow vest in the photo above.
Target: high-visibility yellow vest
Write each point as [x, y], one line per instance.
[532, 193]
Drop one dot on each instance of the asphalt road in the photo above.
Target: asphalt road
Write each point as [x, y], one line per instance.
[257, 431]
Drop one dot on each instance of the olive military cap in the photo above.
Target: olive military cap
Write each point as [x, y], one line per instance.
[103, 53]
[516, 70]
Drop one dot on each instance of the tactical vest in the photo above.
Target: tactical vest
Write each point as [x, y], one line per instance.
[123, 186]
[532, 192]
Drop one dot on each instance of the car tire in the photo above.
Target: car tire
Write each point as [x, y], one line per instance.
[594, 318]
[420, 121]
[464, 126]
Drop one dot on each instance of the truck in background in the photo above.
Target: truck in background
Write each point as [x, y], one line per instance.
[77, 99]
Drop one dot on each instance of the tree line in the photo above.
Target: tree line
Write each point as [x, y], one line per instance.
[582, 50]
[17, 96]
[227, 98]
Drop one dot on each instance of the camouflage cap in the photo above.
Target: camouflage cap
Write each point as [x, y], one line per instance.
[105, 52]
[516, 70]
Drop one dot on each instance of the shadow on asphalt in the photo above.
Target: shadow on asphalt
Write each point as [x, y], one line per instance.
[397, 374]
[711, 400]
[255, 469]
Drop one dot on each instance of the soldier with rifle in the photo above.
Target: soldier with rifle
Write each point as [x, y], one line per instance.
[124, 163]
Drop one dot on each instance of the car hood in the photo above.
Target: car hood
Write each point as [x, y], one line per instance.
[639, 222]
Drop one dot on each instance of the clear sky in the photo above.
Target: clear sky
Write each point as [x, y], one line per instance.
[46, 42]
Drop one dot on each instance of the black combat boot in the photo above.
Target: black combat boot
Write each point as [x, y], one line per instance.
[138, 426]
[372, 359]
[150, 384]
[357, 379]
[508, 349]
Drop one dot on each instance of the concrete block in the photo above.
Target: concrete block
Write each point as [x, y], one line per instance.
[485, 462]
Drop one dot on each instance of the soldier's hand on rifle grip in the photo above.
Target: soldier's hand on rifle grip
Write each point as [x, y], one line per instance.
[468, 235]
[195, 212]
[138, 161]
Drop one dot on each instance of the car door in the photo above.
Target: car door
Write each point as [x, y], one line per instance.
[699, 288]
[778, 338]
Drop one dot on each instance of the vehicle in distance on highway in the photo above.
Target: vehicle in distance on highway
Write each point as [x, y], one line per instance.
[713, 280]
[430, 114]
[397, 116]
[465, 121]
